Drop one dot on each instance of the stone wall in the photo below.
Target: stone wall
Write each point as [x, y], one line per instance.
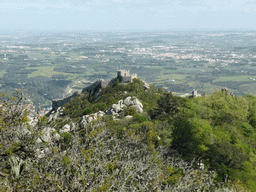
[91, 88]
[56, 103]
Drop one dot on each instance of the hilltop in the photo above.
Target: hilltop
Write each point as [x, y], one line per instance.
[130, 137]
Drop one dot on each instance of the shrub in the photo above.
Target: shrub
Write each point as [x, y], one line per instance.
[129, 111]
[247, 129]
[87, 111]
[66, 137]
[253, 122]
[140, 118]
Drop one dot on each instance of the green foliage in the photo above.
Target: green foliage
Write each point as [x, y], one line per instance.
[140, 118]
[225, 157]
[129, 111]
[66, 137]
[142, 154]
[87, 111]
[43, 119]
[66, 160]
[8, 152]
[247, 129]
[66, 140]
[253, 122]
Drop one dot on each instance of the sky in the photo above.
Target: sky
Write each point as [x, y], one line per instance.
[127, 15]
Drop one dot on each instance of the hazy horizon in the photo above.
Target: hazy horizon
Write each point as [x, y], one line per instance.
[128, 15]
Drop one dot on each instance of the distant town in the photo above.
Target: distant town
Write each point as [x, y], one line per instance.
[54, 65]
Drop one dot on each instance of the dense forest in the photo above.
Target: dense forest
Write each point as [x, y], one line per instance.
[206, 143]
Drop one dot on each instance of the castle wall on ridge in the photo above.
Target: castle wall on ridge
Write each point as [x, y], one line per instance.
[123, 76]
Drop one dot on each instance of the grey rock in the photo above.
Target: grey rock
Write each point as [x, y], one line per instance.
[50, 118]
[100, 115]
[116, 108]
[128, 117]
[83, 120]
[56, 136]
[73, 126]
[113, 112]
[138, 108]
[65, 129]
[38, 141]
[128, 101]
[89, 119]
[120, 102]
[46, 134]
[137, 102]
[95, 116]
[46, 137]
[109, 112]
[40, 154]
[26, 131]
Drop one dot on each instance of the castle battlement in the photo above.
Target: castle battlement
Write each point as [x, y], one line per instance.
[125, 77]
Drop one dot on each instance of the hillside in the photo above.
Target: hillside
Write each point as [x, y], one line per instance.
[103, 142]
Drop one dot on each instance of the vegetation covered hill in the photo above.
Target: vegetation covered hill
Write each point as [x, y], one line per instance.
[177, 144]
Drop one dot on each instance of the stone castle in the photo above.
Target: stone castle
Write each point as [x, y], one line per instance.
[125, 77]
[122, 75]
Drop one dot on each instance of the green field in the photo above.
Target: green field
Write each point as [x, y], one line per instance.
[44, 71]
[233, 78]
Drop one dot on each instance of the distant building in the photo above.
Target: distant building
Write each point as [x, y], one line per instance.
[195, 94]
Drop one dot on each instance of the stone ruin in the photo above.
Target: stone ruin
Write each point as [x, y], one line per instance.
[225, 90]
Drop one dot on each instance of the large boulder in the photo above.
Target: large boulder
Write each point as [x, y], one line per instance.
[137, 102]
[138, 108]
[116, 107]
[65, 129]
[86, 119]
[83, 120]
[128, 101]
[55, 114]
[46, 134]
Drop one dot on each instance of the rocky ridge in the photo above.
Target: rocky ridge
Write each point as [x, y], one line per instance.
[51, 135]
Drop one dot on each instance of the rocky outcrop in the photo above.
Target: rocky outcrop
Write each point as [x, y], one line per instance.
[115, 110]
[145, 85]
[53, 115]
[65, 129]
[89, 118]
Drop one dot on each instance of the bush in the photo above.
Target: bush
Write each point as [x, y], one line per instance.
[87, 111]
[66, 137]
[140, 118]
[247, 129]
[253, 122]
[129, 111]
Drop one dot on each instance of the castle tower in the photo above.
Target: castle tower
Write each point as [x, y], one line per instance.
[194, 93]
